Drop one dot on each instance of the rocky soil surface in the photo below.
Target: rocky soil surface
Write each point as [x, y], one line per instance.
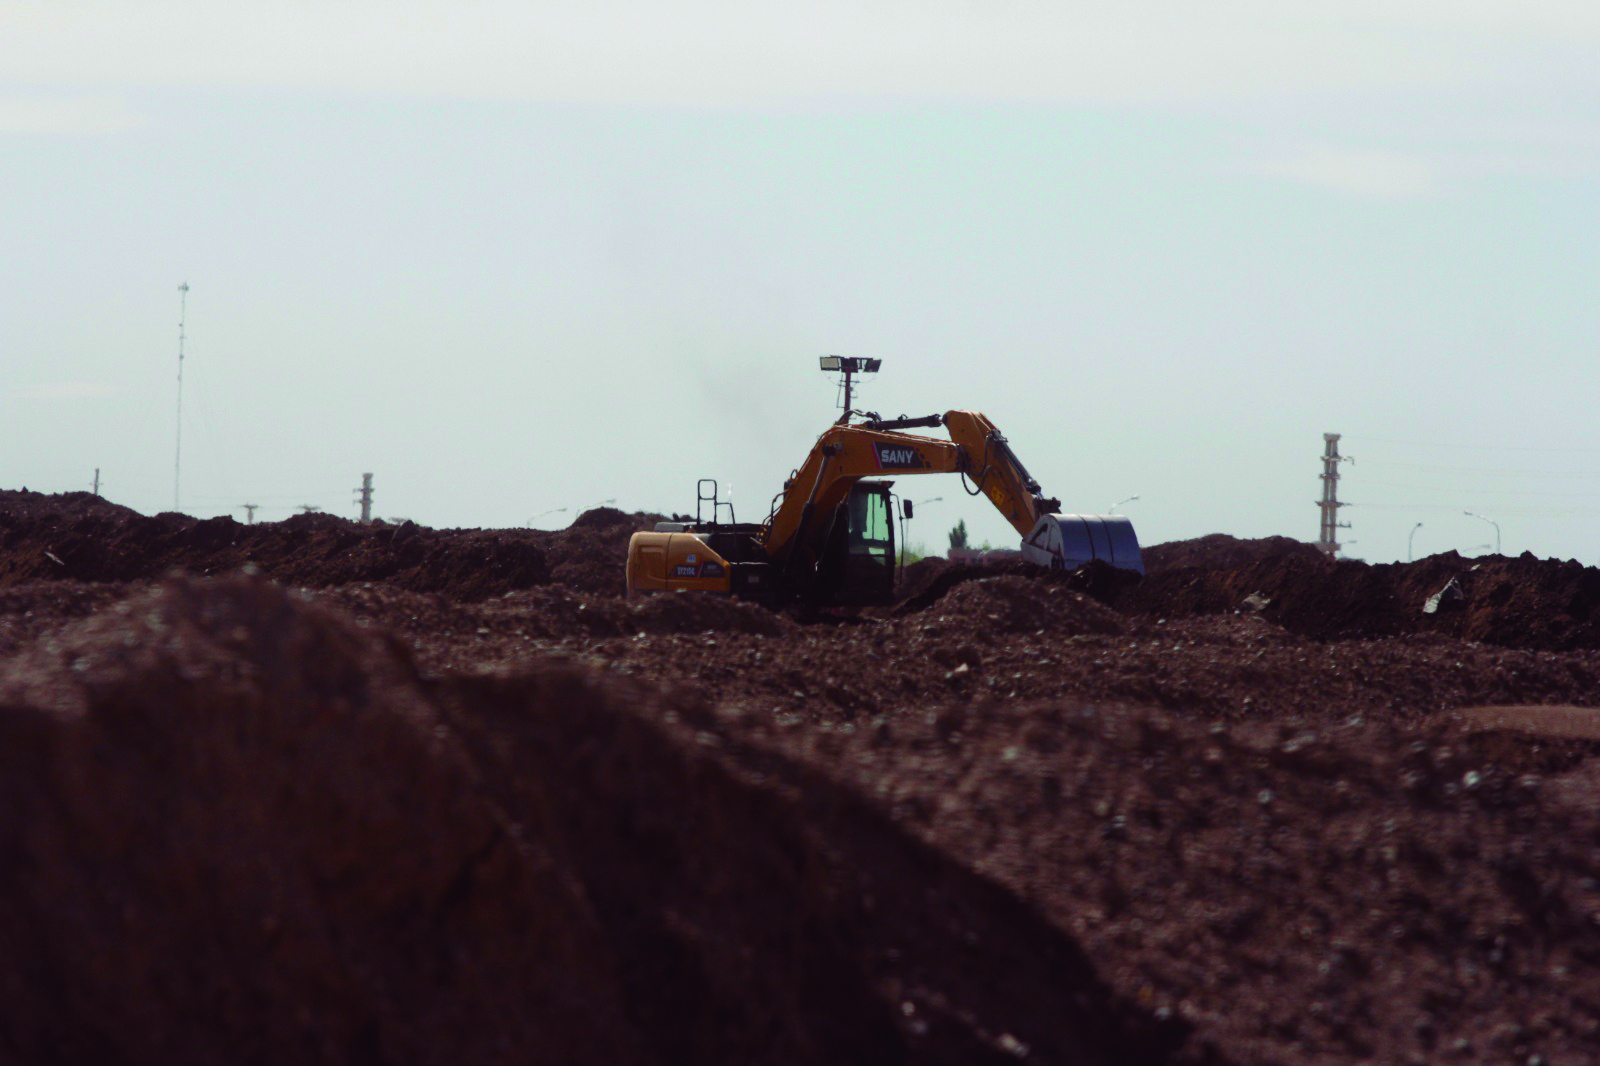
[311, 791]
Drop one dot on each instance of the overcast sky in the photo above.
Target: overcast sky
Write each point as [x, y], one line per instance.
[514, 258]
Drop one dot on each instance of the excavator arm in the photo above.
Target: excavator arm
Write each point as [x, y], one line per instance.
[845, 454]
[996, 471]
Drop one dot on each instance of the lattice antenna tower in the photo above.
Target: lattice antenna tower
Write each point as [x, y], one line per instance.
[177, 455]
[1328, 539]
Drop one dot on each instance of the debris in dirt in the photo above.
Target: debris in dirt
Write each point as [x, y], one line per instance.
[1447, 597]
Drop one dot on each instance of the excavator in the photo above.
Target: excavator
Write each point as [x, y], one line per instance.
[829, 540]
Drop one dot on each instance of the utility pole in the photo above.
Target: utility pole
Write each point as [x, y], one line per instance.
[364, 494]
[177, 456]
[96, 481]
[250, 513]
[1328, 541]
[309, 508]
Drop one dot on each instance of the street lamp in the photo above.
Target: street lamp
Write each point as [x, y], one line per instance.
[1119, 503]
[1410, 557]
[1492, 522]
[602, 503]
[541, 514]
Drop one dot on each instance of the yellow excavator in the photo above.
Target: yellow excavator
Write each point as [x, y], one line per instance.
[829, 540]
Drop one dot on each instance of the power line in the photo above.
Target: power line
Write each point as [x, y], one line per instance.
[1470, 471]
[1520, 512]
[279, 496]
[1485, 492]
[1475, 447]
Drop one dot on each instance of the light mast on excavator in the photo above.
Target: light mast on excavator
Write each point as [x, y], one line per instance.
[848, 365]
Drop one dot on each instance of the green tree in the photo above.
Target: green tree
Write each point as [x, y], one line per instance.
[958, 535]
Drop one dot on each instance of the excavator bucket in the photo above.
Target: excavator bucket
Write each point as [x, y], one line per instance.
[1067, 541]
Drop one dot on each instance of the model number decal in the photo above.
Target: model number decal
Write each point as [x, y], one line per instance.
[705, 569]
[898, 456]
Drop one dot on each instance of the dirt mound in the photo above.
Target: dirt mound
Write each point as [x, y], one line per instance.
[54, 539]
[691, 613]
[914, 577]
[247, 833]
[591, 560]
[1096, 578]
[31, 610]
[604, 518]
[1522, 602]
[1219, 551]
[591, 553]
[1307, 895]
[80, 537]
[862, 944]
[1016, 603]
[249, 830]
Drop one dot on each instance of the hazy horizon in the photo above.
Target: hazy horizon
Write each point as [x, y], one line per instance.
[516, 261]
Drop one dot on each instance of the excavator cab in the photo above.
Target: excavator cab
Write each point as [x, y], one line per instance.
[856, 567]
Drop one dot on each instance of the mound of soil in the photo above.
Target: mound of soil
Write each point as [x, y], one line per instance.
[1218, 551]
[914, 577]
[247, 834]
[1312, 895]
[29, 611]
[1096, 578]
[1522, 602]
[689, 613]
[605, 518]
[79, 537]
[249, 830]
[1017, 603]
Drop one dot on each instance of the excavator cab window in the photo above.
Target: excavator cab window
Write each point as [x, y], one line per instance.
[857, 565]
[871, 527]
